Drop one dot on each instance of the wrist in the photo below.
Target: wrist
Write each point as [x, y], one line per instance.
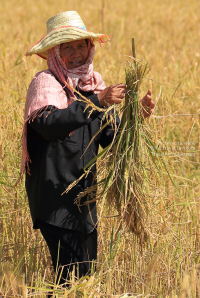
[102, 99]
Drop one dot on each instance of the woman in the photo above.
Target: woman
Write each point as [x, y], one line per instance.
[57, 130]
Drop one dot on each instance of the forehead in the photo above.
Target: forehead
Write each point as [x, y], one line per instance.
[74, 43]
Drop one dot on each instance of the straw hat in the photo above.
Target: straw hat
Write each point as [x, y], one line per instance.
[63, 27]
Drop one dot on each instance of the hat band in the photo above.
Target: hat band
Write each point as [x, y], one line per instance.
[81, 27]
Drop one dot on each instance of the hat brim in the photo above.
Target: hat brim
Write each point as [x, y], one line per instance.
[62, 35]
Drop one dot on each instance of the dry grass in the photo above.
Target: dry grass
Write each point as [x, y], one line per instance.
[167, 35]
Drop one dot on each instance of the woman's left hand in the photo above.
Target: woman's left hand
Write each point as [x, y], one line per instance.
[147, 104]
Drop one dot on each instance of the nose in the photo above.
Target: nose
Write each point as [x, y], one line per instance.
[75, 52]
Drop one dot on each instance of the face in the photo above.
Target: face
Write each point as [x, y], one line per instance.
[74, 53]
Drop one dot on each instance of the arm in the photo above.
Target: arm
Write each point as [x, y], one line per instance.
[60, 122]
[115, 93]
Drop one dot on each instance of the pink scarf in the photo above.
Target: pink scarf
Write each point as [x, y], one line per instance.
[45, 90]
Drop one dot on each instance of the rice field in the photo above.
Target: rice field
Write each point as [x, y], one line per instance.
[167, 37]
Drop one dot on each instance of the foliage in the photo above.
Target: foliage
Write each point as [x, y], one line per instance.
[167, 36]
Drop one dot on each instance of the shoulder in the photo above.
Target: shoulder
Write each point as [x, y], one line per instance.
[44, 82]
[44, 74]
[45, 90]
[45, 78]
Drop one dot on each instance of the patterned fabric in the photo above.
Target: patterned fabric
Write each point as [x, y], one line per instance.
[45, 90]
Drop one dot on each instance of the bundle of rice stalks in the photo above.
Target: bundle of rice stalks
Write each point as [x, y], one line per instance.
[125, 158]
[124, 183]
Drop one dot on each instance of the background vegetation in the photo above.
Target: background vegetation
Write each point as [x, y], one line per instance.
[167, 36]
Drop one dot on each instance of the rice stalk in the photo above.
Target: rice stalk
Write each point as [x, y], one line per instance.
[126, 157]
[127, 187]
[132, 149]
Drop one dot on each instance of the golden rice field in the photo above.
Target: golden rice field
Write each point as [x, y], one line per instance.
[167, 36]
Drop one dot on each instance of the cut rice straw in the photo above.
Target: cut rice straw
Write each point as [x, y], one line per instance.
[123, 183]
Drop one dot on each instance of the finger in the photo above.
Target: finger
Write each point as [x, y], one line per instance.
[116, 86]
[124, 90]
[116, 94]
[146, 100]
[121, 88]
[149, 92]
[116, 100]
[148, 95]
[147, 113]
[121, 95]
[152, 105]
[120, 85]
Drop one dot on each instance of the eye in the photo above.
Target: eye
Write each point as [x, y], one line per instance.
[65, 47]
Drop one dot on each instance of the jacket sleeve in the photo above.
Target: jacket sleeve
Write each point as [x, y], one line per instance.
[55, 124]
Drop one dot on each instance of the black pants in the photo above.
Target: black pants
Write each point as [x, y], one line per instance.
[70, 250]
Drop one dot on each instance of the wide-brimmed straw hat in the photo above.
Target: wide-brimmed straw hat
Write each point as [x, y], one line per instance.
[63, 27]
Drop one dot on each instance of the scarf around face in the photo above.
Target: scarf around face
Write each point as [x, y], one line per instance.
[45, 90]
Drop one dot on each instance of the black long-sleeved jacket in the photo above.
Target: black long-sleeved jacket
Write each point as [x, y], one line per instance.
[56, 143]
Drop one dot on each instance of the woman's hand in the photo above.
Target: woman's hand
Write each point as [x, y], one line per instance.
[147, 104]
[112, 94]
[115, 94]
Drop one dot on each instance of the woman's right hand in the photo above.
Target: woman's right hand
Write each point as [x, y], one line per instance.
[111, 95]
